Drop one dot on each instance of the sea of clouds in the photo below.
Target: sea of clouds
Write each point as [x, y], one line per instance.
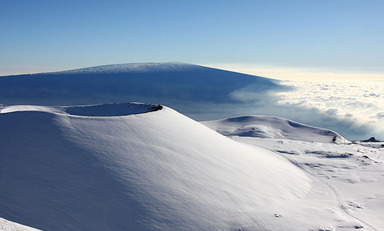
[359, 102]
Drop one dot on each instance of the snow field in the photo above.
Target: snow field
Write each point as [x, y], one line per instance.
[151, 171]
[347, 177]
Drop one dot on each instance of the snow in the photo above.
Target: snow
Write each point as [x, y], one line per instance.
[199, 92]
[351, 175]
[16, 108]
[144, 166]
[150, 171]
[133, 68]
[121, 109]
[6, 225]
[161, 170]
[194, 90]
[273, 127]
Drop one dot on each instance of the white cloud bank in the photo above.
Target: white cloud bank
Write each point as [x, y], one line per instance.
[357, 100]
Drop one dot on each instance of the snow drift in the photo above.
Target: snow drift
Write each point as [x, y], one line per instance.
[273, 127]
[148, 171]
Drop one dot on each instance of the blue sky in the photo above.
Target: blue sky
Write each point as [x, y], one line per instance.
[46, 35]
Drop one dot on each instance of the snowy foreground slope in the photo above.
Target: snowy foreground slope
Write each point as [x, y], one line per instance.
[146, 167]
[151, 171]
[350, 174]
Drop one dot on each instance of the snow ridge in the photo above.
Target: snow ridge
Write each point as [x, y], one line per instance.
[120, 109]
[273, 127]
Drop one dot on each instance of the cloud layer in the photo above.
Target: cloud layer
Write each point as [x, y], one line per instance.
[360, 101]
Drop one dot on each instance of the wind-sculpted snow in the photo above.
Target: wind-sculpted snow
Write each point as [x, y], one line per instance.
[150, 171]
[273, 127]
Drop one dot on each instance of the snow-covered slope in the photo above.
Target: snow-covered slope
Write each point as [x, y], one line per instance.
[150, 171]
[6, 225]
[348, 173]
[273, 127]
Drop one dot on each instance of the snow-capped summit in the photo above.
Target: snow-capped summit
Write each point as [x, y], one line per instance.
[178, 85]
[134, 68]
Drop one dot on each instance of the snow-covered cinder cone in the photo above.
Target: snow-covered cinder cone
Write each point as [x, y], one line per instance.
[262, 126]
[113, 167]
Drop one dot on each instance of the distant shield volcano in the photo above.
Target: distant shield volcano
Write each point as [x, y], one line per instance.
[185, 87]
